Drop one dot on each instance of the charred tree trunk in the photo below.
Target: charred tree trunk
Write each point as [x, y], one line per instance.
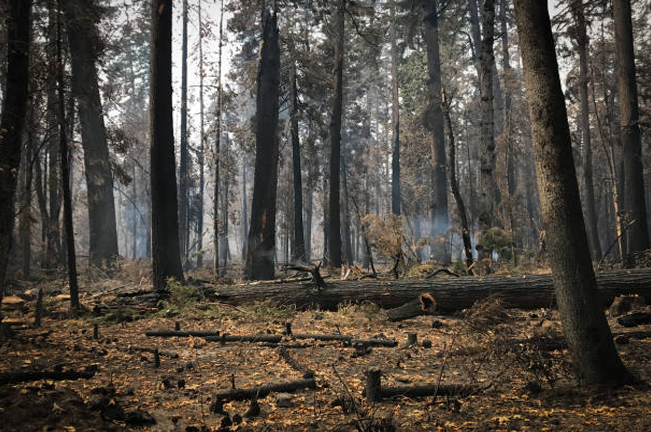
[245, 217]
[345, 216]
[590, 209]
[166, 252]
[454, 184]
[12, 122]
[184, 225]
[395, 116]
[637, 234]
[81, 17]
[259, 257]
[435, 123]
[298, 241]
[53, 206]
[584, 323]
[26, 201]
[202, 145]
[487, 159]
[71, 259]
[334, 220]
[218, 137]
[225, 200]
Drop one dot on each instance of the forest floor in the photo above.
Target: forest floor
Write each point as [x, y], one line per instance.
[513, 361]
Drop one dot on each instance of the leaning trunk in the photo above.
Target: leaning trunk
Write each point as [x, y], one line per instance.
[584, 323]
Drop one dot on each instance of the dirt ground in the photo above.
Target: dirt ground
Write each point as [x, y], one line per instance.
[513, 360]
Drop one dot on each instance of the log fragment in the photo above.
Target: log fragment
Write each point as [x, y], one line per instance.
[375, 392]
[178, 333]
[264, 390]
[245, 338]
[423, 305]
[451, 294]
[635, 319]
[306, 371]
[347, 338]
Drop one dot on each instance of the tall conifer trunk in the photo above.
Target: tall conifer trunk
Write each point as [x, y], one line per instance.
[261, 243]
[166, 252]
[584, 323]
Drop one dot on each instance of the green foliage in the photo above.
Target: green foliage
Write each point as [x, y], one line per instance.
[496, 240]
[183, 299]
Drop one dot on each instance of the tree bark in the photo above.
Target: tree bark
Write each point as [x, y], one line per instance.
[53, 208]
[83, 37]
[259, 258]
[590, 209]
[487, 154]
[435, 123]
[202, 145]
[584, 323]
[395, 116]
[184, 225]
[12, 122]
[526, 292]
[454, 184]
[218, 137]
[334, 221]
[298, 240]
[71, 259]
[637, 234]
[166, 252]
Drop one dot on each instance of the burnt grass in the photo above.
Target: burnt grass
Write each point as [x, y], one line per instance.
[514, 361]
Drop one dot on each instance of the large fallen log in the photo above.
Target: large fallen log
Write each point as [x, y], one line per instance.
[526, 292]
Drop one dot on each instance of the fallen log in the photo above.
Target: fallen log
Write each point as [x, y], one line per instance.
[306, 371]
[526, 292]
[346, 338]
[245, 338]
[19, 377]
[425, 304]
[264, 390]
[180, 333]
[375, 391]
[635, 319]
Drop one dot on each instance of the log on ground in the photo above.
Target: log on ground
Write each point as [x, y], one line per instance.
[525, 292]
[181, 333]
[245, 338]
[264, 390]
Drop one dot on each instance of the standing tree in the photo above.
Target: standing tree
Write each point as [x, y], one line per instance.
[334, 221]
[435, 123]
[395, 116]
[637, 235]
[166, 253]
[590, 208]
[218, 137]
[260, 251]
[65, 161]
[584, 323]
[202, 145]
[83, 37]
[298, 249]
[488, 186]
[184, 198]
[14, 106]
